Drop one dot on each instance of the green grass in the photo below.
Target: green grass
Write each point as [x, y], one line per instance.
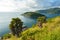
[50, 31]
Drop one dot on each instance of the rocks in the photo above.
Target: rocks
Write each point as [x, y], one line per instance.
[7, 39]
[0, 38]
[24, 28]
[39, 24]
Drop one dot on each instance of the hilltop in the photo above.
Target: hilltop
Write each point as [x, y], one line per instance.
[32, 15]
[50, 31]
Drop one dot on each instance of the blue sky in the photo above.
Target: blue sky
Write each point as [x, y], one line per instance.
[27, 5]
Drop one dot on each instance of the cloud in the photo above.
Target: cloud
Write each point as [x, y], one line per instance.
[33, 5]
[17, 5]
[6, 5]
[26, 5]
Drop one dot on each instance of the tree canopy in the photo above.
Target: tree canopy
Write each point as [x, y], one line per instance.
[16, 26]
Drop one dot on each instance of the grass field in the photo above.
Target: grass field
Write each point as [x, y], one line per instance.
[50, 31]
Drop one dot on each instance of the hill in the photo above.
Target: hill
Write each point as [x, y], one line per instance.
[50, 31]
[50, 10]
[32, 15]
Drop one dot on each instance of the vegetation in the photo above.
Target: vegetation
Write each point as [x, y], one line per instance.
[32, 15]
[41, 20]
[49, 31]
[16, 26]
[51, 10]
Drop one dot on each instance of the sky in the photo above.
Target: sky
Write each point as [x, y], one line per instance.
[26, 5]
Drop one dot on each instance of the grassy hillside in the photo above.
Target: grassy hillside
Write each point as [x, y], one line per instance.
[50, 31]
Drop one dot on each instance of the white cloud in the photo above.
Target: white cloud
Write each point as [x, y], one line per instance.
[7, 5]
[24, 5]
[16, 5]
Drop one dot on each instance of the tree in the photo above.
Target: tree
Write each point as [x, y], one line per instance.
[41, 20]
[16, 26]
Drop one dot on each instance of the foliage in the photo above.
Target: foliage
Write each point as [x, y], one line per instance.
[50, 10]
[6, 36]
[50, 31]
[41, 19]
[32, 15]
[16, 26]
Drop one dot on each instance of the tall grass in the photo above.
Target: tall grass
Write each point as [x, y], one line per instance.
[50, 31]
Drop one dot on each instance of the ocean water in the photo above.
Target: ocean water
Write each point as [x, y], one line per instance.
[5, 18]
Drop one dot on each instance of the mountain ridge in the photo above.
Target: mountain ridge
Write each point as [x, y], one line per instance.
[32, 15]
[50, 10]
